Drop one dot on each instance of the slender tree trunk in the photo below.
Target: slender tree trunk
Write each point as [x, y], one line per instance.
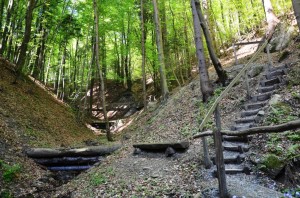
[26, 38]
[1, 15]
[217, 65]
[10, 8]
[272, 20]
[206, 87]
[143, 39]
[108, 134]
[162, 68]
[296, 6]
[92, 78]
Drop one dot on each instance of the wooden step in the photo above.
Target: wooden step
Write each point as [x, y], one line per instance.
[243, 126]
[266, 89]
[272, 74]
[284, 66]
[238, 159]
[249, 113]
[232, 170]
[254, 106]
[163, 146]
[273, 81]
[238, 148]
[236, 138]
[261, 97]
[247, 120]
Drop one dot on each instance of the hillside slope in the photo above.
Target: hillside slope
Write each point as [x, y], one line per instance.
[127, 175]
[31, 117]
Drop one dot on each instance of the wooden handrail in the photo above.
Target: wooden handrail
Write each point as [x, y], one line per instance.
[228, 88]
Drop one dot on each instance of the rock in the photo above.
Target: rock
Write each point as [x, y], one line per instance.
[261, 113]
[272, 165]
[282, 37]
[137, 151]
[170, 152]
[275, 99]
[255, 71]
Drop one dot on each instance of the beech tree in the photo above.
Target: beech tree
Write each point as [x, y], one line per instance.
[26, 37]
[217, 65]
[108, 134]
[159, 44]
[296, 6]
[206, 87]
[271, 18]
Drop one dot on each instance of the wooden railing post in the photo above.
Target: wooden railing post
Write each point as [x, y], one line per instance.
[219, 156]
[269, 56]
[235, 55]
[207, 161]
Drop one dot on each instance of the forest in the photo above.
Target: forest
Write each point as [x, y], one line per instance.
[91, 54]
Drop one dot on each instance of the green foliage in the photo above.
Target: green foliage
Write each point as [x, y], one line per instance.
[272, 161]
[280, 113]
[9, 173]
[6, 194]
[293, 76]
[98, 179]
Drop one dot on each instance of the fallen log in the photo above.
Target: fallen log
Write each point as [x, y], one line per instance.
[68, 168]
[77, 152]
[163, 146]
[67, 161]
[292, 125]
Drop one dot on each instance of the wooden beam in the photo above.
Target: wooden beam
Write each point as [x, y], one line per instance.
[292, 125]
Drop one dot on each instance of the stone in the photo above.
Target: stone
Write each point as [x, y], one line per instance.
[137, 151]
[261, 113]
[170, 152]
[275, 99]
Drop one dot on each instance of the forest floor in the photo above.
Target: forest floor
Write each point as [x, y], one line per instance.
[183, 175]
[27, 121]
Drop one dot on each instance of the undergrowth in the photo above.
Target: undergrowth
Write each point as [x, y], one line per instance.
[9, 172]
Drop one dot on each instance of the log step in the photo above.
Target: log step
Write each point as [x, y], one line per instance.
[261, 97]
[68, 168]
[270, 82]
[163, 146]
[268, 88]
[242, 126]
[237, 170]
[76, 152]
[245, 170]
[237, 148]
[235, 138]
[238, 159]
[249, 113]
[67, 161]
[247, 120]
[254, 106]
[284, 66]
[278, 72]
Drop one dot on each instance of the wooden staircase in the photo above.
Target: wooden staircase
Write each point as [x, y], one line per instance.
[236, 148]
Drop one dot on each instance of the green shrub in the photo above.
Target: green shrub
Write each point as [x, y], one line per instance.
[9, 173]
[98, 179]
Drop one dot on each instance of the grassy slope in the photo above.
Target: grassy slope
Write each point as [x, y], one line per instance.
[31, 117]
[41, 119]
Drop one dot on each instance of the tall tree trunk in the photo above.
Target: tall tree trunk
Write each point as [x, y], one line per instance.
[143, 39]
[217, 65]
[296, 6]
[108, 134]
[10, 8]
[206, 87]
[26, 38]
[1, 15]
[272, 20]
[162, 68]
